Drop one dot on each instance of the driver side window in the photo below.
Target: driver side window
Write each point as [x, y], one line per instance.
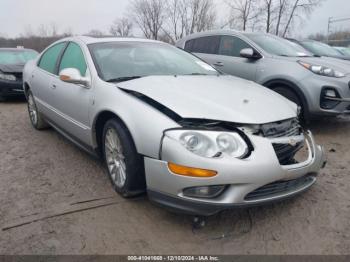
[232, 46]
[73, 57]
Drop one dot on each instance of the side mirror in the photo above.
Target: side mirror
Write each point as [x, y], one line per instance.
[249, 53]
[73, 76]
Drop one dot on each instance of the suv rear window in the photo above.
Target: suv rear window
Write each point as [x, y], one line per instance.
[205, 45]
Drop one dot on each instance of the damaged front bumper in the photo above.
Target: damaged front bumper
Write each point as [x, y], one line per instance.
[257, 180]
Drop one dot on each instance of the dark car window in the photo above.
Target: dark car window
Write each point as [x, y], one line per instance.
[48, 60]
[13, 57]
[232, 46]
[73, 57]
[205, 45]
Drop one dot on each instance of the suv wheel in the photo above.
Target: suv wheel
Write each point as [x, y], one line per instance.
[292, 96]
[35, 116]
[124, 165]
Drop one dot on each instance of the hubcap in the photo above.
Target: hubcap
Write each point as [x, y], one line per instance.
[32, 110]
[115, 158]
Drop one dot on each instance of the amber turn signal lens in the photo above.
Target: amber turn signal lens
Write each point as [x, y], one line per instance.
[64, 78]
[190, 171]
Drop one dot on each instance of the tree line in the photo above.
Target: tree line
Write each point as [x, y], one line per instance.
[170, 20]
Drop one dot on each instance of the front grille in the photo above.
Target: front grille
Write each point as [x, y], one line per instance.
[284, 152]
[278, 188]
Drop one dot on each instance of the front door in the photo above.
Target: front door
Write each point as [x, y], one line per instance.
[71, 101]
[230, 62]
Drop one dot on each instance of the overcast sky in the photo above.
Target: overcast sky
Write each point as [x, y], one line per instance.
[81, 16]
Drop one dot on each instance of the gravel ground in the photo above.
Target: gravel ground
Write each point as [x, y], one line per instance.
[42, 175]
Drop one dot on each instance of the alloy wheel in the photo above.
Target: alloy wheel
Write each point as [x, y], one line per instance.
[115, 158]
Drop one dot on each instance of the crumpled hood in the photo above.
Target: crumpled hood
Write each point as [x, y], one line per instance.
[224, 98]
[12, 68]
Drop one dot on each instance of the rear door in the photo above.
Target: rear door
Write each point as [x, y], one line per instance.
[72, 101]
[206, 48]
[223, 52]
[43, 76]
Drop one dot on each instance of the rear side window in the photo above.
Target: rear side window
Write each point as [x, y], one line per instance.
[73, 57]
[205, 45]
[48, 60]
[232, 46]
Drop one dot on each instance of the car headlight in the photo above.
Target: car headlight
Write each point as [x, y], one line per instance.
[322, 70]
[210, 143]
[7, 77]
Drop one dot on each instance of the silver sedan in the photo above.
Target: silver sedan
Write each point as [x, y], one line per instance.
[167, 123]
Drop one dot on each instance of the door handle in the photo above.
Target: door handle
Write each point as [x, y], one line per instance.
[218, 64]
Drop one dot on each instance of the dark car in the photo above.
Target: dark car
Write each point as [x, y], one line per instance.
[320, 49]
[12, 61]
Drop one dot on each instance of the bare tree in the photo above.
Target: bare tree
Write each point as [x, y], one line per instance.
[95, 33]
[188, 16]
[268, 6]
[45, 30]
[202, 16]
[149, 15]
[177, 19]
[121, 27]
[281, 9]
[243, 11]
[28, 31]
[299, 8]
[68, 32]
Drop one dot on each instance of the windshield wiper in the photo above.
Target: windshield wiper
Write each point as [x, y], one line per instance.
[122, 79]
[197, 74]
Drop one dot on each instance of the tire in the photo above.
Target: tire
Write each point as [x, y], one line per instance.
[292, 96]
[125, 167]
[36, 118]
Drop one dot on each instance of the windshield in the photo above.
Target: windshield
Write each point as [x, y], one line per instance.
[122, 61]
[320, 49]
[15, 57]
[344, 50]
[278, 46]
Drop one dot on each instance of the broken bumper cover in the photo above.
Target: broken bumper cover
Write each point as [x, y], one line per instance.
[257, 180]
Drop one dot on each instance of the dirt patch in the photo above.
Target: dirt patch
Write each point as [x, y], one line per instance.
[41, 172]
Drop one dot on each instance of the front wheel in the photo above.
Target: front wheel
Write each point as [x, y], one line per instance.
[124, 165]
[292, 96]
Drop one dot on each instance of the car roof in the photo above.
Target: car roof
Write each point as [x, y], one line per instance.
[224, 31]
[92, 40]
